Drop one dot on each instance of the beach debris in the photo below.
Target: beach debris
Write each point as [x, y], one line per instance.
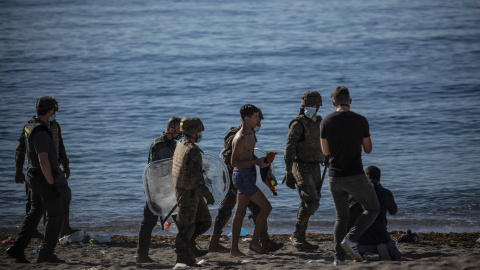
[243, 232]
[314, 261]
[180, 265]
[410, 238]
[74, 237]
[100, 239]
[244, 261]
[247, 239]
[203, 262]
[9, 240]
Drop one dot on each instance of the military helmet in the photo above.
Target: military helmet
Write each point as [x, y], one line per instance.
[191, 125]
[48, 103]
[311, 98]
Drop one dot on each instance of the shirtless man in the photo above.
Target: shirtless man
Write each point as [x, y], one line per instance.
[243, 162]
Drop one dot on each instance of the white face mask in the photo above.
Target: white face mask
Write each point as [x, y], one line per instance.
[256, 129]
[52, 118]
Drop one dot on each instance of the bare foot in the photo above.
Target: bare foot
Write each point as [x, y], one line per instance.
[257, 248]
[236, 253]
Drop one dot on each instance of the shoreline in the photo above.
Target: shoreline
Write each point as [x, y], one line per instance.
[434, 251]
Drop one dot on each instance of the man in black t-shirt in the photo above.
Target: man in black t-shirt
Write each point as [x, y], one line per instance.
[343, 135]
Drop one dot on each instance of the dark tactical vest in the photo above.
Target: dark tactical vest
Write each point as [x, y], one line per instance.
[181, 178]
[159, 140]
[56, 138]
[228, 140]
[308, 148]
[227, 152]
[32, 126]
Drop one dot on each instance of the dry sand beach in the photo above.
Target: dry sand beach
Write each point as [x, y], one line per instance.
[435, 251]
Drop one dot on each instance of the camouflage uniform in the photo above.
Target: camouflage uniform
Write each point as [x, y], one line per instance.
[63, 160]
[193, 218]
[228, 203]
[303, 156]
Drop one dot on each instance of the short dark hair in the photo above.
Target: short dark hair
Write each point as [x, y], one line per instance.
[248, 110]
[45, 104]
[373, 173]
[173, 122]
[341, 95]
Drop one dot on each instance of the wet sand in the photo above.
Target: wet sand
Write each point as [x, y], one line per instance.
[434, 251]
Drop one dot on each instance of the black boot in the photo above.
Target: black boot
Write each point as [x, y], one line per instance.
[51, 258]
[18, 254]
[186, 258]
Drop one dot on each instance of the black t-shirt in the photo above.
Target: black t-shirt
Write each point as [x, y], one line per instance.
[43, 142]
[344, 132]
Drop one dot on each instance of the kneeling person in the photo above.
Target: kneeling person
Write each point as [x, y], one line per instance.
[193, 218]
[376, 238]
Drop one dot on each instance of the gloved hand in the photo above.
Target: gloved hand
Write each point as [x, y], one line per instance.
[66, 171]
[289, 180]
[19, 177]
[205, 192]
[55, 190]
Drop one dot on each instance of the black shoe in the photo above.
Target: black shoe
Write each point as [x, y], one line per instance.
[273, 246]
[144, 259]
[18, 254]
[198, 252]
[309, 246]
[186, 258]
[51, 258]
[37, 234]
[68, 231]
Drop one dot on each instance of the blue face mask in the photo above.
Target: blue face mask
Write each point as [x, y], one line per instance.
[256, 129]
[199, 138]
[52, 118]
[310, 111]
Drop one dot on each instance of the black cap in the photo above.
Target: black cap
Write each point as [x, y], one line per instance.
[47, 102]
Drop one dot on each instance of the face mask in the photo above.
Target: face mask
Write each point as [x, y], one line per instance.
[256, 129]
[310, 111]
[52, 118]
[177, 136]
[199, 139]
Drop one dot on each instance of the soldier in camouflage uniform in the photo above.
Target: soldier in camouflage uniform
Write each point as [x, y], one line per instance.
[303, 156]
[228, 203]
[193, 218]
[162, 147]
[62, 159]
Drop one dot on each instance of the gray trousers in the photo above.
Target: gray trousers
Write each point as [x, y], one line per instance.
[362, 191]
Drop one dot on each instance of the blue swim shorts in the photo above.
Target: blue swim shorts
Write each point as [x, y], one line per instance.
[244, 181]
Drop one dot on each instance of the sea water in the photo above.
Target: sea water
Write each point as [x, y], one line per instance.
[121, 69]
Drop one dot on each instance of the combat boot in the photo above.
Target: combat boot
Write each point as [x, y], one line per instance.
[186, 258]
[215, 246]
[18, 254]
[299, 242]
[268, 244]
[196, 252]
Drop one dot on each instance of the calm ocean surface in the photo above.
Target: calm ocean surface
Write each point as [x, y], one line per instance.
[120, 69]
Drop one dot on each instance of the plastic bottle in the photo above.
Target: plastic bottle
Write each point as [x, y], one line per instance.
[94, 242]
[63, 240]
[101, 239]
[166, 226]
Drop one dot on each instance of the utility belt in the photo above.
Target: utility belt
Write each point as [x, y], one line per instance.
[307, 163]
[57, 174]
